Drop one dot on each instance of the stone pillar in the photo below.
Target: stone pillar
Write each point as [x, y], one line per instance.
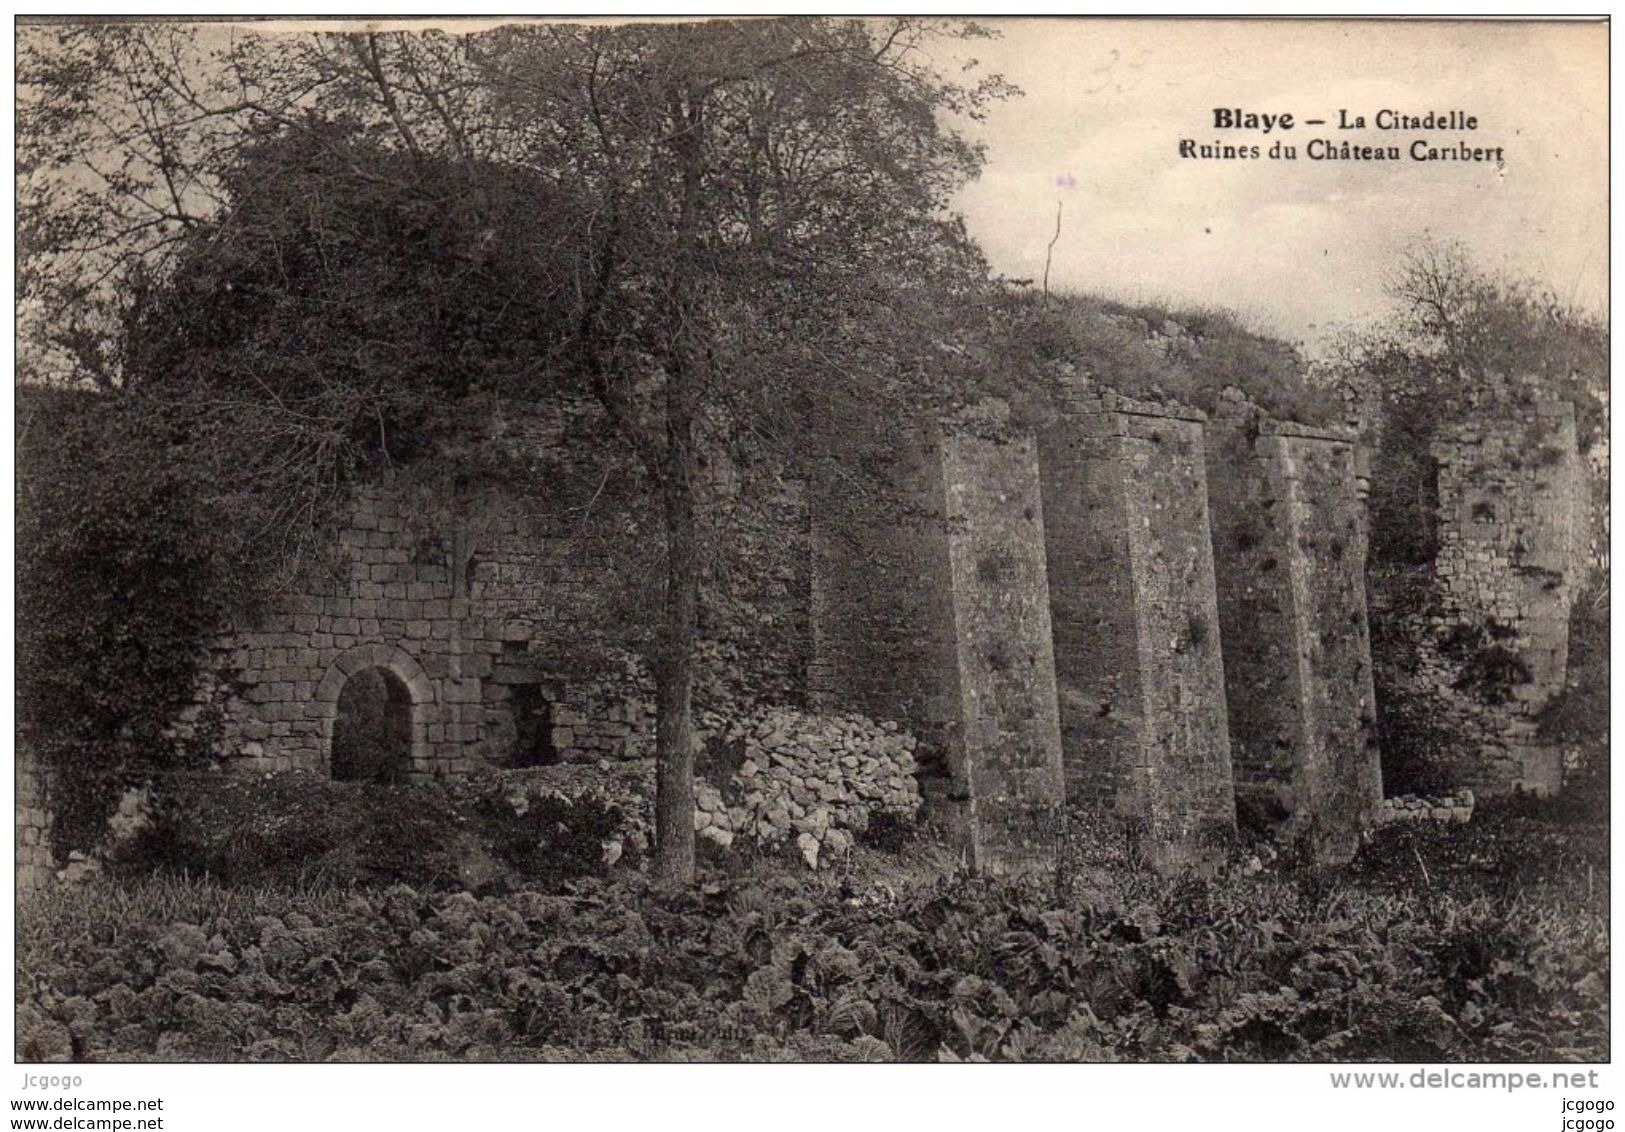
[1512, 538]
[937, 615]
[1136, 630]
[1289, 541]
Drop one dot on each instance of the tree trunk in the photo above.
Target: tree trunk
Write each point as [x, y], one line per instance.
[674, 669]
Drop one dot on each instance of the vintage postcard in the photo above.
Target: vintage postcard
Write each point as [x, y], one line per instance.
[817, 540]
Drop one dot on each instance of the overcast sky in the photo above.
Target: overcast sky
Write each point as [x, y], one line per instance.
[1300, 246]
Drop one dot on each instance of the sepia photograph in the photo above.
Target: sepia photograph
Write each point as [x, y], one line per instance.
[812, 540]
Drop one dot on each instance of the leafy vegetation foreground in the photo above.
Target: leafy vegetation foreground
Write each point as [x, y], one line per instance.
[1481, 942]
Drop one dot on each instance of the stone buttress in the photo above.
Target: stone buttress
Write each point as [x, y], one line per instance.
[1289, 540]
[1137, 655]
[938, 616]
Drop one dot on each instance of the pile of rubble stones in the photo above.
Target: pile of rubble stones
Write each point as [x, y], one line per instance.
[816, 780]
[1457, 807]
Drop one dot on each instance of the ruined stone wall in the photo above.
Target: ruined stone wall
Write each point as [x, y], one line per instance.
[1289, 541]
[883, 624]
[35, 864]
[1033, 605]
[1137, 644]
[468, 608]
[1513, 511]
[938, 617]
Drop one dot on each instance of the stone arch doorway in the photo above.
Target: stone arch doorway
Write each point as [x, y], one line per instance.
[372, 729]
[375, 703]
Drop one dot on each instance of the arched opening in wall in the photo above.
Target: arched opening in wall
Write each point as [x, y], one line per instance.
[533, 727]
[372, 732]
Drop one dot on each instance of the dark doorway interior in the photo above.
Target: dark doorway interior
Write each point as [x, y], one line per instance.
[533, 727]
[372, 736]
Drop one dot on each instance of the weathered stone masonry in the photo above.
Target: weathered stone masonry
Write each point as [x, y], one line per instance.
[1289, 540]
[35, 864]
[1143, 628]
[1141, 611]
[1012, 738]
[1513, 512]
[1044, 614]
[1137, 642]
[1035, 601]
[940, 618]
[463, 610]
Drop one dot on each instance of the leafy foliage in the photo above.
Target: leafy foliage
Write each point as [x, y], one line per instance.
[1154, 354]
[1383, 961]
[127, 565]
[487, 831]
[351, 309]
[347, 300]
